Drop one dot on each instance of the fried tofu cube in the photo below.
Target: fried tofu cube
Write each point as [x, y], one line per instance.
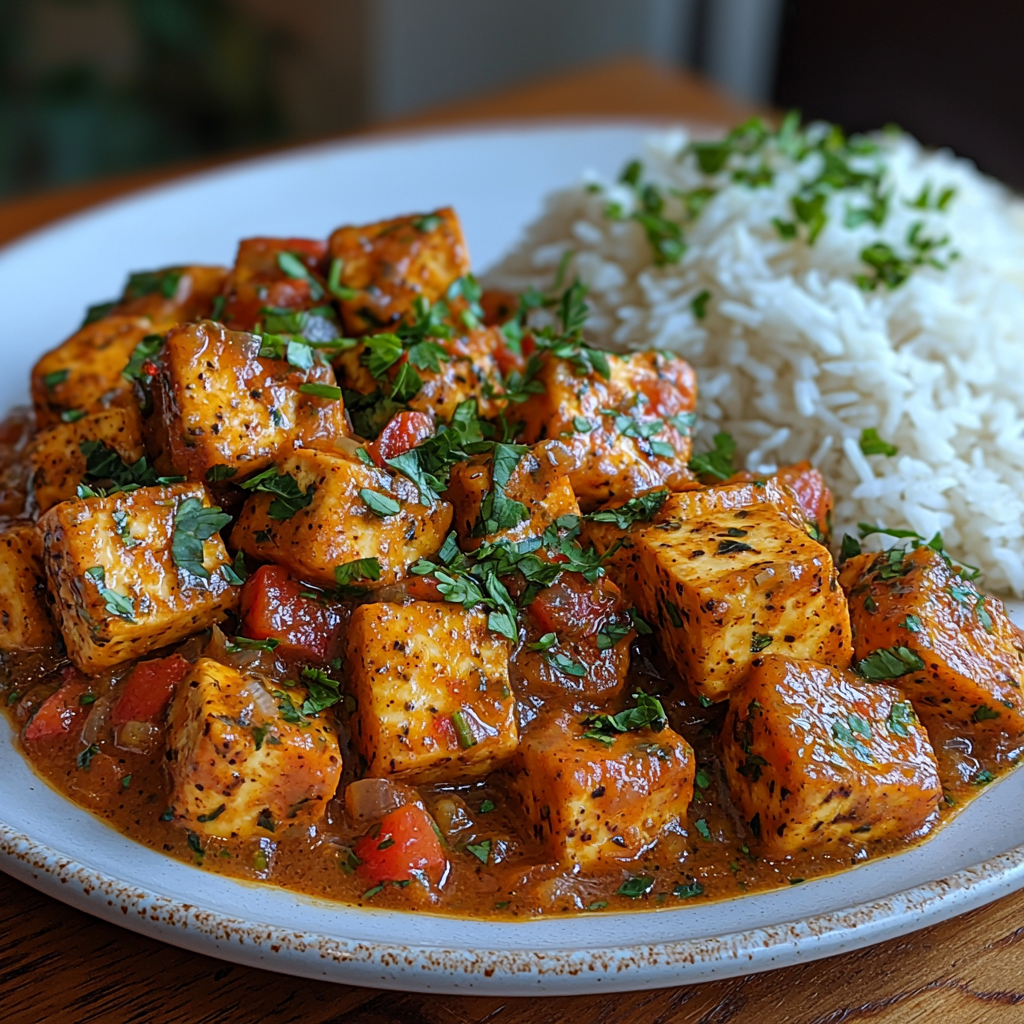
[537, 483]
[621, 436]
[273, 274]
[616, 540]
[84, 374]
[393, 262]
[722, 587]
[589, 802]
[172, 295]
[245, 760]
[118, 591]
[814, 757]
[433, 702]
[221, 410]
[338, 524]
[58, 462]
[468, 369]
[25, 622]
[954, 650]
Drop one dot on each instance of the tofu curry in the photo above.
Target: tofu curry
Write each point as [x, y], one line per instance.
[332, 571]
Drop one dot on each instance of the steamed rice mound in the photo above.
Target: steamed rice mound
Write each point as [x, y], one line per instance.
[802, 345]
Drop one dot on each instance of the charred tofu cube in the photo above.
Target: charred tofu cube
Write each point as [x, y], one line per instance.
[273, 274]
[172, 295]
[536, 482]
[723, 587]
[221, 410]
[433, 702]
[589, 801]
[58, 462]
[342, 511]
[134, 572]
[814, 757]
[382, 268]
[466, 368]
[621, 435]
[917, 621]
[246, 760]
[84, 374]
[25, 622]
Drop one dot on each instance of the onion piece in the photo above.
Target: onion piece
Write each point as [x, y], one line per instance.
[371, 799]
[137, 736]
[97, 725]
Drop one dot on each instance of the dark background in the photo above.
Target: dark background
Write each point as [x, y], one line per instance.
[96, 87]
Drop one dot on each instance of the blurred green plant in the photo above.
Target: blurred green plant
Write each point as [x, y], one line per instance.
[200, 82]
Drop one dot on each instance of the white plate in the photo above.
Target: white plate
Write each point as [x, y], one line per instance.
[497, 180]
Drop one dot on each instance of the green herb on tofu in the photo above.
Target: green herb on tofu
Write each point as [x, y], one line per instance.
[324, 692]
[889, 663]
[637, 510]
[116, 604]
[288, 496]
[647, 713]
[193, 525]
[381, 505]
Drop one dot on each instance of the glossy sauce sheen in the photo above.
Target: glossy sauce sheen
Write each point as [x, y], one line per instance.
[712, 846]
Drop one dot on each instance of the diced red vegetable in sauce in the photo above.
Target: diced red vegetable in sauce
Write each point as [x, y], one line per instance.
[404, 431]
[574, 607]
[59, 712]
[499, 307]
[273, 607]
[405, 843]
[149, 689]
[811, 492]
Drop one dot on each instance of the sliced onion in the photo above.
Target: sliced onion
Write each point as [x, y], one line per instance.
[97, 725]
[138, 736]
[371, 799]
[261, 697]
[452, 815]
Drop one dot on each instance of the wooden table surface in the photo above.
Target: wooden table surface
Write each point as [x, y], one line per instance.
[57, 964]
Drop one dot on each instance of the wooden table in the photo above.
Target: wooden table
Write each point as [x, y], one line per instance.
[57, 964]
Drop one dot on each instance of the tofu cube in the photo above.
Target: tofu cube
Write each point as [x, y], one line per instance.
[433, 702]
[84, 374]
[172, 295]
[587, 802]
[244, 759]
[337, 525]
[723, 587]
[220, 410]
[274, 274]
[391, 263]
[620, 436]
[814, 757]
[958, 655]
[694, 501]
[118, 592]
[56, 457]
[537, 483]
[469, 370]
[25, 622]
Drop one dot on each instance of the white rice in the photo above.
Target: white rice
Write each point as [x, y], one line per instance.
[795, 360]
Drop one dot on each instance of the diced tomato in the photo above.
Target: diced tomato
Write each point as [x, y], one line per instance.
[510, 361]
[405, 430]
[59, 712]
[812, 494]
[405, 843]
[149, 689]
[499, 307]
[273, 606]
[574, 607]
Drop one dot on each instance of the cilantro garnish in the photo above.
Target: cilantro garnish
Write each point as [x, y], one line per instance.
[639, 509]
[889, 663]
[716, 463]
[324, 692]
[872, 444]
[115, 603]
[647, 713]
[288, 497]
[194, 524]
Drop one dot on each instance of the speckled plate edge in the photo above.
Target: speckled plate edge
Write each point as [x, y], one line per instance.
[509, 971]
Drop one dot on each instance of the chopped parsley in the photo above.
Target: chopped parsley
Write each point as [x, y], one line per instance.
[889, 663]
[872, 444]
[647, 713]
[193, 525]
[116, 604]
[640, 509]
[717, 462]
[635, 887]
[288, 496]
[379, 504]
